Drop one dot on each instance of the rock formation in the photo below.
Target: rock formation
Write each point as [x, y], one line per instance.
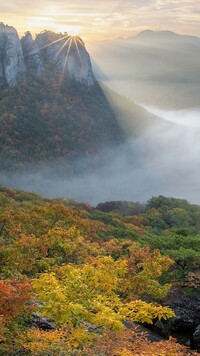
[32, 56]
[12, 64]
[66, 53]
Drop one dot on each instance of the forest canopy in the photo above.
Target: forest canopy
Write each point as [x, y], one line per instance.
[73, 276]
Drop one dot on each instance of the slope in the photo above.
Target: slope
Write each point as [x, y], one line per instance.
[42, 120]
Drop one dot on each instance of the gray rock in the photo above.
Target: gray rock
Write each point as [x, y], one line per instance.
[12, 66]
[185, 326]
[196, 339]
[78, 64]
[41, 322]
[49, 44]
[68, 54]
[32, 56]
[187, 310]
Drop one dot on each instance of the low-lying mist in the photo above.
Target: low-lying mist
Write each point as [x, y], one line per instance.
[161, 160]
[186, 117]
[162, 152]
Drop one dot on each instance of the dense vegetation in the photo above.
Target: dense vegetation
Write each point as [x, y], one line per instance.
[85, 273]
[46, 119]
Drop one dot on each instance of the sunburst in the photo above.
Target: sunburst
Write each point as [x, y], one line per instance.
[70, 41]
[73, 31]
[54, 42]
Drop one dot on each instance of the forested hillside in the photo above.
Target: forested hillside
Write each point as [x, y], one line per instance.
[44, 120]
[74, 277]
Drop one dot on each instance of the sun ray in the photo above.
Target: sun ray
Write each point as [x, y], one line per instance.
[66, 59]
[74, 39]
[50, 44]
[68, 50]
[60, 50]
[80, 41]
[77, 50]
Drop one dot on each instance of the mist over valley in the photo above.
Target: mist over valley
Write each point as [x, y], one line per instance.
[99, 178]
[138, 151]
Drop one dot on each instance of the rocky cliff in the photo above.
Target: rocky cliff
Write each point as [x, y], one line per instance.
[32, 56]
[68, 54]
[59, 113]
[12, 64]
[65, 53]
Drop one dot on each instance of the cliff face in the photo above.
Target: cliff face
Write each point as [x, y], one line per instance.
[67, 54]
[11, 57]
[78, 64]
[60, 120]
[32, 56]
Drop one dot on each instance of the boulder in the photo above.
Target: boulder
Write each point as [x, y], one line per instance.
[41, 322]
[196, 339]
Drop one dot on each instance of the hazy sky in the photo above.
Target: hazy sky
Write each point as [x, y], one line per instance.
[99, 19]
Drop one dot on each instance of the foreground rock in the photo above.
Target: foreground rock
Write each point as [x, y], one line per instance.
[185, 326]
[196, 339]
[42, 322]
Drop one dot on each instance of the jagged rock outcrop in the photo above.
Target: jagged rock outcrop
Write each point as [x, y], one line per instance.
[68, 54]
[12, 64]
[78, 64]
[32, 56]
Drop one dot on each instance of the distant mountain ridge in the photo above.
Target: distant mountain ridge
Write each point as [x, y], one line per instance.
[164, 35]
[158, 68]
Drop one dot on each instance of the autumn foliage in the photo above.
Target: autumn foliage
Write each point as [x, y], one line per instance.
[13, 298]
[86, 271]
[134, 342]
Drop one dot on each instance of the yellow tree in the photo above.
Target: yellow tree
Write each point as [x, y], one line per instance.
[76, 296]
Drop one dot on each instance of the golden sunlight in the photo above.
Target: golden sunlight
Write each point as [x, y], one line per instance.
[72, 30]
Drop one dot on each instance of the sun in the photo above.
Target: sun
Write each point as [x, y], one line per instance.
[73, 30]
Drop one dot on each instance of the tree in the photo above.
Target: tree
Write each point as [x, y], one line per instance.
[79, 295]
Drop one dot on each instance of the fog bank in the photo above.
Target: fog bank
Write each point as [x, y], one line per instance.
[160, 161]
[186, 117]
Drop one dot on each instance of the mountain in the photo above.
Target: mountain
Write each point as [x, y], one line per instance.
[165, 36]
[66, 53]
[134, 119]
[42, 120]
[55, 112]
[155, 68]
[51, 106]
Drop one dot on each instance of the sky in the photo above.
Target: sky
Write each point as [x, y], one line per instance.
[102, 19]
